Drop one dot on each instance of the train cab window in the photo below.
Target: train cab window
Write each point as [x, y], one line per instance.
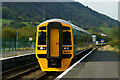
[66, 28]
[42, 38]
[42, 28]
[66, 38]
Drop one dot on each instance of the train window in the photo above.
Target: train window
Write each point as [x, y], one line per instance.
[42, 28]
[66, 28]
[42, 38]
[66, 38]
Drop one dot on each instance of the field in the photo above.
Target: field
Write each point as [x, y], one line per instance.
[105, 29]
[6, 21]
[26, 23]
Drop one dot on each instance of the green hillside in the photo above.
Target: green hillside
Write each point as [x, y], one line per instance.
[23, 17]
[75, 12]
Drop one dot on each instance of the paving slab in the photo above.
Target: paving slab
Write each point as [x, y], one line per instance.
[16, 53]
[99, 64]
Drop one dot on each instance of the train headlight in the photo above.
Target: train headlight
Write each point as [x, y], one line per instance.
[64, 48]
[67, 48]
[44, 48]
[41, 48]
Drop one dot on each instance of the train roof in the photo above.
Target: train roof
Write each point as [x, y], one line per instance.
[64, 21]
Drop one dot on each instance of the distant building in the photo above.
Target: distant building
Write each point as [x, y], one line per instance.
[104, 34]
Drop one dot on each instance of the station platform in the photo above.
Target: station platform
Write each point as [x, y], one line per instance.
[16, 53]
[101, 65]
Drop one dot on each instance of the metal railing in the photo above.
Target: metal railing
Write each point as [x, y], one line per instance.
[12, 44]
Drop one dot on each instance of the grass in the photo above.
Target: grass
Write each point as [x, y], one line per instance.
[19, 49]
[106, 29]
[26, 23]
[109, 48]
[91, 31]
[6, 21]
[24, 49]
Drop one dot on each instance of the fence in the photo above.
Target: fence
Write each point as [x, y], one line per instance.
[13, 44]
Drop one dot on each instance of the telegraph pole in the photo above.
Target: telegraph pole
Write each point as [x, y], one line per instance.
[44, 12]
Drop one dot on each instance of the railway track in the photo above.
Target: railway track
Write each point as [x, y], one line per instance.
[30, 72]
[49, 76]
[19, 72]
[53, 75]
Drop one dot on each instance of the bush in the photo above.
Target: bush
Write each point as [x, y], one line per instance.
[114, 43]
[8, 32]
[17, 25]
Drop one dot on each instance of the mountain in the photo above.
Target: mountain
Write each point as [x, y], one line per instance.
[75, 12]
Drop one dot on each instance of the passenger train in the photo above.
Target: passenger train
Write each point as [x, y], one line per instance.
[58, 42]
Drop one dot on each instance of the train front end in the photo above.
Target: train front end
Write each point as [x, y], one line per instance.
[54, 45]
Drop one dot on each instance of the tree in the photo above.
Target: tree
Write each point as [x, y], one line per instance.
[115, 37]
[26, 32]
[8, 32]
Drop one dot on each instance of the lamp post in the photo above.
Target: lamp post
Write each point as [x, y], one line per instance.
[30, 39]
[16, 40]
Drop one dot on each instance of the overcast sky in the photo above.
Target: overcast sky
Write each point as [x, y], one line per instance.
[108, 7]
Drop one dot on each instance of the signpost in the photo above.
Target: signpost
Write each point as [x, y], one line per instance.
[30, 39]
[102, 41]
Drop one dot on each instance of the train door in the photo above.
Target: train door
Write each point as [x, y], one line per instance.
[54, 42]
[54, 51]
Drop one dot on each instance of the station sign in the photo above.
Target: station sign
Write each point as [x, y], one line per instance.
[102, 40]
